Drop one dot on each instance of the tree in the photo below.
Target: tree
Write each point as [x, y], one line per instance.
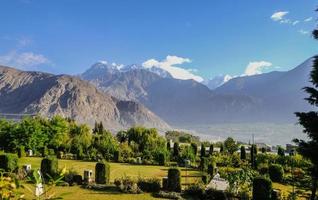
[280, 151]
[194, 148]
[253, 156]
[211, 149]
[309, 120]
[230, 145]
[176, 150]
[122, 136]
[243, 153]
[202, 153]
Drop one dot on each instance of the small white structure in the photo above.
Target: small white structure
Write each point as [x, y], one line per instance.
[218, 183]
[30, 152]
[27, 168]
[88, 176]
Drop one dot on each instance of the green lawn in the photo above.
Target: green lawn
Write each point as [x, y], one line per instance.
[118, 170]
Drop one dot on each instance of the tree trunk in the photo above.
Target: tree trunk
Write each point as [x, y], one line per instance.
[314, 188]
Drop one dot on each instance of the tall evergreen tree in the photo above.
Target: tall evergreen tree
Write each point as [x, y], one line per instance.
[202, 150]
[211, 149]
[309, 120]
[243, 153]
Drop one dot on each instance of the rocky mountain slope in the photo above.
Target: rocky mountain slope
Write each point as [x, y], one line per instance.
[280, 93]
[47, 95]
[176, 101]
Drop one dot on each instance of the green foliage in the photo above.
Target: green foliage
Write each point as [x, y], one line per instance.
[276, 172]
[253, 156]
[243, 153]
[280, 151]
[202, 151]
[174, 180]
[176, 150]
[117, 156]
[195, 189]
[211, 149]
[106, 144]
[230, 145]
[102, 173]
[162, 159]
[212, 194]
[122, 136]
[187, 152]
[21, 152]
[9, 162]
[205, 178]
[127, 185]
[182, 137]
[149, 185]
[211, 169]
[204, 162]
[49, 167]
[262, 188]
[194, 147]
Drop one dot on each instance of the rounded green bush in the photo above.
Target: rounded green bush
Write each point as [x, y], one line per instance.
[276, 172]
[49, 166]
[174, 180]
[262, 188]
[162, 159]
[102, 173]
[9, 162]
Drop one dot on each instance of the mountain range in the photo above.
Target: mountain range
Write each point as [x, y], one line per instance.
[268, 97]
[46, 94]
[124, 96]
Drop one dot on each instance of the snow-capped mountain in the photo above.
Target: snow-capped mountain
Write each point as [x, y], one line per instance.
[217, 81]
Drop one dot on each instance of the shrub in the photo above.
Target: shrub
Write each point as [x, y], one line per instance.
[162, 159]
[51, 152]
[262, 188]
[44, 151]
[195, 189]
[165, 183]
[276, 195]
[9, 162]
[78, 179]
[127, 185]
[212, 194]
[69, 177]
[49, 166]
[102, 173]
[263, 169]
[211, 169]
[149, 185]
[21, 152]
[204, 164]
[174, 180]
[205, 178]
[169, 195]
[243, 153]
[117, 156]
[276, 172]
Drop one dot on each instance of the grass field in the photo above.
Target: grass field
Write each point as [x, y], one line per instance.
[118, 170]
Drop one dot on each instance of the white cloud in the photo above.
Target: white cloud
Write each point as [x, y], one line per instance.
[295, 22]
[308, 19]
[256, 67]
[303, 32]
[169, 63]
[24, 60]
[278, 16]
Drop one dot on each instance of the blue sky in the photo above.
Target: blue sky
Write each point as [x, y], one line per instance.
[209, 37]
